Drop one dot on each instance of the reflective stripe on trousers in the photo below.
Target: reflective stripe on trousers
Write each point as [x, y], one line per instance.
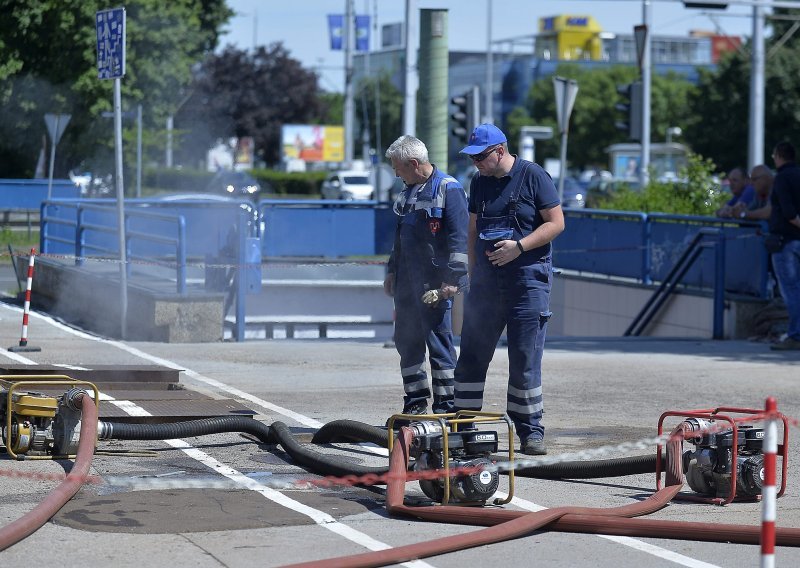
[517, 299]
[418, 326]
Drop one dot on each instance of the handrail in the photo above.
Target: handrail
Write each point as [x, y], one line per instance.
[81, 228]
[676, 274]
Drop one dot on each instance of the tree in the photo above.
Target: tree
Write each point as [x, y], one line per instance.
[48, 65]
[391, 106]
[720, 105]
[592, 123]
[236, 93]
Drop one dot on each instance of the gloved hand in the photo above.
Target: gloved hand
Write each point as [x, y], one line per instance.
[432, 298]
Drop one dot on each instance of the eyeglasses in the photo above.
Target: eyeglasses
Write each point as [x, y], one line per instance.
[483, 155]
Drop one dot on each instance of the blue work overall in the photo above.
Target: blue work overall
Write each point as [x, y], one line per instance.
[422, 259]
[516, 297]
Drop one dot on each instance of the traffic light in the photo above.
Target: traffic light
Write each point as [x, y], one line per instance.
[465, 117]
[631, 107]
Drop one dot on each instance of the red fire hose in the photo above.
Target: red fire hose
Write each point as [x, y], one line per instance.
[506, 525]
[32, 521]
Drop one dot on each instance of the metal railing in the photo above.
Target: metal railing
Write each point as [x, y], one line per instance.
[645, 247]
[705, 238]
[82, 227]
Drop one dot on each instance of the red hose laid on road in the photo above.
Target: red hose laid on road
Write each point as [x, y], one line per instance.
[32, 521]
[505, 525]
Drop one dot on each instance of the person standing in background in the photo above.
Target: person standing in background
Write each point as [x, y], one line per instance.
[784, 238]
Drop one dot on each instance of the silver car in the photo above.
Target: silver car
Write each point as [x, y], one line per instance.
[348, 185]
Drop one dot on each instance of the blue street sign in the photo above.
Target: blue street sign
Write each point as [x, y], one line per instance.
[110, 43]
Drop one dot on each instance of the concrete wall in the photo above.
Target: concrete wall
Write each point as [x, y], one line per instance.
[585, 306]
[91, 299]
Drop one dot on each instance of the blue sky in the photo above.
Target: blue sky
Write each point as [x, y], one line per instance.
[302, 24]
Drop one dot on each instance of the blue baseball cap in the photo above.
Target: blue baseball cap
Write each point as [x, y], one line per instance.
[482, 137]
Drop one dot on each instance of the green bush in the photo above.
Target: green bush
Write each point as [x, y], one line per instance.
[699, 194]
[300, 184]
[172, 179]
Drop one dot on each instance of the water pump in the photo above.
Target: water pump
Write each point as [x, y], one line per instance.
[710, 467]
[469, 449]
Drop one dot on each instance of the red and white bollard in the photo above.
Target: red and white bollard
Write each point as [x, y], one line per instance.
[23, 342]
[768, 491]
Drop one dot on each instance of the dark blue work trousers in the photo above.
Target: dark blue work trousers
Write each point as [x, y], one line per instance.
[516, 298]
[418, 326]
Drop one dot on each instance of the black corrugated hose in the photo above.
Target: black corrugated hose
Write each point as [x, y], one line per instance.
[349, 431]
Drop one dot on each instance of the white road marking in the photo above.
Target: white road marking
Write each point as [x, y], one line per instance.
[319, 517]
[322, 519]
[624, 540]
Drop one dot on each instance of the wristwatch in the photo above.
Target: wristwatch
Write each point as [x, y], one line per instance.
[519, 246]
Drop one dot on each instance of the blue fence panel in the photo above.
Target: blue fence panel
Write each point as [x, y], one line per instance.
[30, 193]
[385, 226]
[57, 228]
[603, 242]
[318, 228]
[210, 225]
[745, 256]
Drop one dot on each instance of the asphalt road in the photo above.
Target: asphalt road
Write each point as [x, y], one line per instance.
[597, 393]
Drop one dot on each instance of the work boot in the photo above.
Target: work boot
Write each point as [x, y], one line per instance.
[788, 344]
[415, 408]
[533, 447]
[419, 407]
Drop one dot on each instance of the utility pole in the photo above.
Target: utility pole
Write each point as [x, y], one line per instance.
[488, 116]
[410, 83]
[349, 35]
[755, 143]
[644, 163]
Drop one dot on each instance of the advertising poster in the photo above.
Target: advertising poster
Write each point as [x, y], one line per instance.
[313, 143]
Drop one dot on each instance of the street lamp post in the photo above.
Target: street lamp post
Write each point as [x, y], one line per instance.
[673, 131]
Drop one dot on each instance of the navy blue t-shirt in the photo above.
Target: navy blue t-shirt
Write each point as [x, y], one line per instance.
[537, 193]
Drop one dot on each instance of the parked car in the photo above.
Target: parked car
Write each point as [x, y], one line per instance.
[235, 184]
[574, 193]
[348, 185]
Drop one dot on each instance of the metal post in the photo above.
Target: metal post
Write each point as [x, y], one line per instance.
[241, 277]
[644, 164]
[123, 257]
[488, 116]
[348, 82]
[139, 151]
[755, 134]
[52, 159]
[168, 157]
[410, 84]
[563, 160]
[719, 286]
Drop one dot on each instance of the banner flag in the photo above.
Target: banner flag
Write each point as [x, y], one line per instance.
[362, 33]
[336, 28]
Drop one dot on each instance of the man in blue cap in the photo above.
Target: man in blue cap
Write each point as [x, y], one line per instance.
[514, 214]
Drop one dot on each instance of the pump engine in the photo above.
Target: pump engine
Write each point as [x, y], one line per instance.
[38, 424]
[709, 467]
[465, 449]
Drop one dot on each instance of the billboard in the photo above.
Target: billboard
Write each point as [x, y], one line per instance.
[312, 143]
